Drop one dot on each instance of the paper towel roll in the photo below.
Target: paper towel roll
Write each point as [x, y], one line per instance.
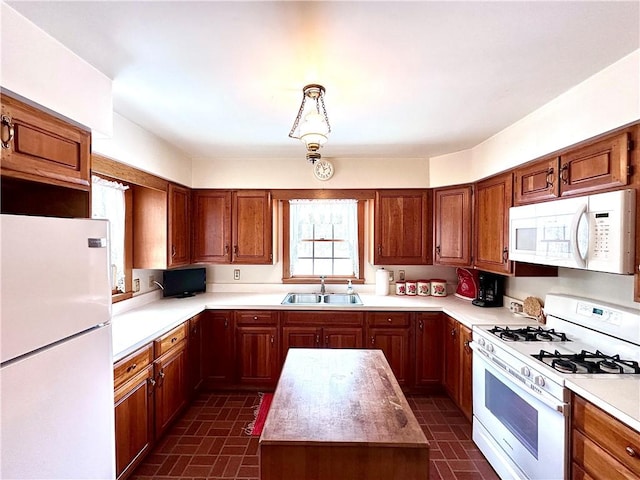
[382, 282]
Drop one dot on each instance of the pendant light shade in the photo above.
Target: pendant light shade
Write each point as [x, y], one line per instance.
[311, 125]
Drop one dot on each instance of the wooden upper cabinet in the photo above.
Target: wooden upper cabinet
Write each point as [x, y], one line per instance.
[402, 228]
[536, 182]
[492, 201]
[179, 226]
[232, 227]
[596, 166]
[211, 238]
[251, 227]
[41, 147]
[452, 220]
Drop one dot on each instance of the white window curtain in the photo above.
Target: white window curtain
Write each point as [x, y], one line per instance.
[107, 201]
[323, 212]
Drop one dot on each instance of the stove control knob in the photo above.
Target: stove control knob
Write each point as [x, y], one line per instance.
[489, 348]
[525, 371]
[539, 380]
[481, 342]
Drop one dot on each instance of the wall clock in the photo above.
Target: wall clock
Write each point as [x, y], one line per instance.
[323, 169]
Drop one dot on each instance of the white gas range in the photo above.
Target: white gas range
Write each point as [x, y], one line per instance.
[520, 402]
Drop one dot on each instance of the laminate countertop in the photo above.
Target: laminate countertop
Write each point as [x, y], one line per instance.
[148, 320]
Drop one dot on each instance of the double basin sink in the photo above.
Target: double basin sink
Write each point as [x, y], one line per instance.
[322, 299]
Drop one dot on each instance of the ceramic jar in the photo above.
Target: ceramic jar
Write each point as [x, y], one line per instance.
[412, 287]
[438, 288]
[401, 288]
[424, 288]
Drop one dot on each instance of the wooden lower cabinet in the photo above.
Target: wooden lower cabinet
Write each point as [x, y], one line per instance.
[217, 348]
[429, 328]
[602, 447]
[171, 386]
[257, 348]
[458, 364]
[194, 356]
[391, 333]
[133, 409]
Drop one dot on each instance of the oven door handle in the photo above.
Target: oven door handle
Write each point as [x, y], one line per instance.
[543, 397]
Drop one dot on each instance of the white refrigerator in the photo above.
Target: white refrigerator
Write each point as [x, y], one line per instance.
[56, 370]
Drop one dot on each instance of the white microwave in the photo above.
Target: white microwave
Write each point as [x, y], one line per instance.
[595, 232]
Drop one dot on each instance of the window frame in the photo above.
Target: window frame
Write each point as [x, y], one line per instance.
[286, 245]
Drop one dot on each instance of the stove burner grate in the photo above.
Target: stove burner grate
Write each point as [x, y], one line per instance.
[529, 334]
[587, 362]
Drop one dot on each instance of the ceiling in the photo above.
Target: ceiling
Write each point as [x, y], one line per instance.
[402, 79]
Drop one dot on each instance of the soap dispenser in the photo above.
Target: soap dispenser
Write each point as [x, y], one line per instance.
[349, 287]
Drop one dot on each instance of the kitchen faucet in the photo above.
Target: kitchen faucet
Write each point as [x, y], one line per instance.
[322, 287]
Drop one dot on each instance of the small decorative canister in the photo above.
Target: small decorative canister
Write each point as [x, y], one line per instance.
[424, 288]
[412, 287]
[438, 288]
[400, 288]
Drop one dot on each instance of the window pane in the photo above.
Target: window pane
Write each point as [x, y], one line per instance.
[305, 249]
[324, 231]
[323, 267]
[343, 267]
[342, 250]
[323, 249]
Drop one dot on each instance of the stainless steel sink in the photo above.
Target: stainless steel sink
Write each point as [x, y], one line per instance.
[322, 299]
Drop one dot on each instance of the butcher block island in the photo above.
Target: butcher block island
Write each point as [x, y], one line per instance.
[341, 415]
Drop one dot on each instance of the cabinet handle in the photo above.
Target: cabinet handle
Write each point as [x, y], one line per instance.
[373, 340]
[564, 173]
[173, 251]
[161, 377]
[194, 330]
[226, 249]
[379, 249]
[235, 249]
[550, 178]
[631, 452]
[505, 254]
[438, 250]
[466, 345]
[272, 339]
[226, 323]
[152, 383]
[6, 122]
[326, 340]
[174, 339]
[421, 325]
[453, 332]
[132, 367]
[318, 340]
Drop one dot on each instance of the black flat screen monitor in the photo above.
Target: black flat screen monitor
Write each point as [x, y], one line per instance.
[185, 282]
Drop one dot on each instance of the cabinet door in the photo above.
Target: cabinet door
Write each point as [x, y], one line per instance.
[401, 228]
[43, 148]
[300, 337]
[217, 351]
[597, 166]
[194, 368]
[394, 343]
[429, 328]
[257, 355]
[452, 226]
[171, 386]
[466, 363]
[179, 226]
[451, 371]
[211, 236]
[342, 337]
[536, 182]
[493, 199]
[133, 421]
[252, 227]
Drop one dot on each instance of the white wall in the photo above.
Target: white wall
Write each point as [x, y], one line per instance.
[135, 146]
[41, 69]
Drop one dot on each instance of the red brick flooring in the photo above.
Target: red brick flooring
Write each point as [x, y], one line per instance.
[209, 442]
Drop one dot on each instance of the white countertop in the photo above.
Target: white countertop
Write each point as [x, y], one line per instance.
[138, 326]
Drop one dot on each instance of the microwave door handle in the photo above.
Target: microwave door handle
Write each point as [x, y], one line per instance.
[575, 223]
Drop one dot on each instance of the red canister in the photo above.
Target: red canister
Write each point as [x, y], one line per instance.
[412, 287]
[438, 287]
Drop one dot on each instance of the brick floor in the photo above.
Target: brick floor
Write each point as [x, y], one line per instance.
[209, 442]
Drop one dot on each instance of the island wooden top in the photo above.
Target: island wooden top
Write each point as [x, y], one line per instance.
[340, 397]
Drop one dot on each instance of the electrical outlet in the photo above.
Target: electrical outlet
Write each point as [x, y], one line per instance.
[391, 276]
[236, 274]
[401, 275]
[136, 285]
[152, 279]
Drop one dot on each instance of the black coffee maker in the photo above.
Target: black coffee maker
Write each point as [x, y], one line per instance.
[490, 290]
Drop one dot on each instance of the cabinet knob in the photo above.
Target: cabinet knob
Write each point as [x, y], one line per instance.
[389, 320]
[255, 318]
[6, 122]
[631, 452]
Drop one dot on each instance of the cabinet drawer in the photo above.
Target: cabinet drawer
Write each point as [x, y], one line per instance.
[387, 319]
[132, 364]
[611, 435]
[256, 317]
[596, 462]
[170, 339]
[331, 318]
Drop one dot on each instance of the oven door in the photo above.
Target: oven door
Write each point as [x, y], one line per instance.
[523, 435]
